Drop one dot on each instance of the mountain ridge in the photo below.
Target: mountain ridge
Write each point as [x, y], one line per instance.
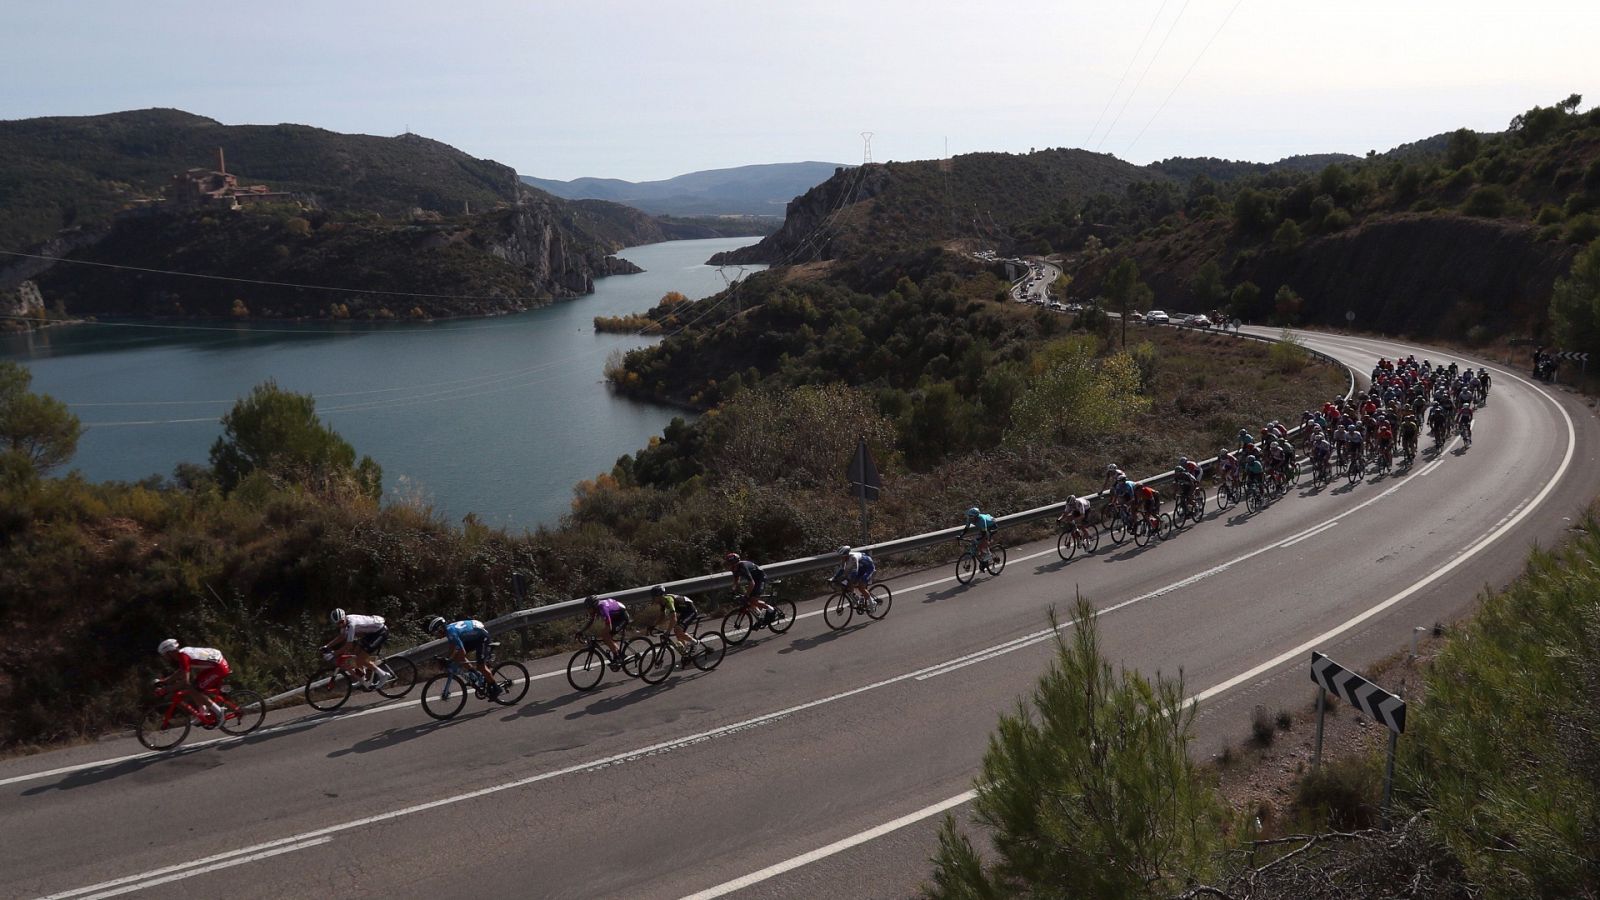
[762, 189]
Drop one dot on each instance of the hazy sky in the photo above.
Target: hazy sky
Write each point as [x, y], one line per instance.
[646, 90]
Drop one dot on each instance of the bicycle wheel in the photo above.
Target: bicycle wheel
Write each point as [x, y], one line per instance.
[1090, 542]
[785, 618]
[512, 677]
[1066, 544]
[1118, 529]
[656, 663]
[162, 726]
[1252, 499]
[1353, 472]
[966, 567]
[405, 677]
[707, 651]
[327, 691]
[633, 655]
[838, 609]
[1164, 526]
[444, 695]
[243, 711]
[1180, 516]
[885, 598]
[736, 626]
[1200, 505]
[1142, 532]
[585, 669]
[1226, 498]
[997, 559]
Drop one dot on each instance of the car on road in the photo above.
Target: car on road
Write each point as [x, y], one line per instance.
[1199, 320]
[1157, 317]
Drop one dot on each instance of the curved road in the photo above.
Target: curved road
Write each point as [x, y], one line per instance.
[781, 772]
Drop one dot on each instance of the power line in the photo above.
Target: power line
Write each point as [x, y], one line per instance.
[282, 284]
[1185, 76]
[1137, 84]
[1131, 60]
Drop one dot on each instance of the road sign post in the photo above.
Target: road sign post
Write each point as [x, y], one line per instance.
[1383, 707]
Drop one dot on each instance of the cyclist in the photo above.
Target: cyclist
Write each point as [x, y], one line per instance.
[984, 524]
[1321, 453]
[1483, 382]
[1227, 465]
[677, 613]
[1073, 514]
[1122, 497]
[745, 570]
[1408, 435]
[201, 671]
[1254, 472]
[855, 571]
[1114, 474]
[1183, 482]
[1464, 423]
[1148, 504]
[365, 635]
[462, 636]
[1386, 443]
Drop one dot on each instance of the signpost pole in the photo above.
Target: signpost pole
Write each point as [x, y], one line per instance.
[861, 491]
[1388, 772]
[1322, 702]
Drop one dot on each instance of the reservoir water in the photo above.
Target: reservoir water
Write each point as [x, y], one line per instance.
[498, 417]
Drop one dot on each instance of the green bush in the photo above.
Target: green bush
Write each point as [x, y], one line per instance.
[1583, 229]
[1342, 795]
[1488, 201]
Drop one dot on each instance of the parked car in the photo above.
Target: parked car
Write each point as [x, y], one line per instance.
[1157, 317]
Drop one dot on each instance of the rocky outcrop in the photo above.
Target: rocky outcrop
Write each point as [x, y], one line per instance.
[809, 219]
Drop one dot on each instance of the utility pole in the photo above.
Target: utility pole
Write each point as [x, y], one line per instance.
[866, 148]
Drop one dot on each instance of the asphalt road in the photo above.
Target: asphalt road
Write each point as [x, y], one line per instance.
[782, 771]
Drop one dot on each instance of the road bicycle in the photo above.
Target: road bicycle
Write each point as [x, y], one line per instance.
[587, 666]
[971, 560]
[1356, 468]
[651, 659]
[446, 693]
[166, 722]
[1082, 537]
[1229, 493]
[1122, 523]
[1466, 433]
[1255, 495]
[1409, 450]
[1321, 472]
[738, 624]
[1190, 508]
[1151, 526]
[1383, 461]
[844, 603]
[330, 689]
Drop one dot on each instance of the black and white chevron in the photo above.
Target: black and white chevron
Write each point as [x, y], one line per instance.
[1376, 702]
[1573, 355]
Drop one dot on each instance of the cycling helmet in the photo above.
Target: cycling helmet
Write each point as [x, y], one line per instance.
[336, 616]
[1071, 499]
[1222, 451]
[657, 591]
[435, 624]
[166, 646]
[1183, 460]
[1110, 468]
[591, 601]
[972, 513]
[731, 558]
[843, 550]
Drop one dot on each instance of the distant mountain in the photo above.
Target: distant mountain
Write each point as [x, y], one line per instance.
[900, 204]
[762, 190]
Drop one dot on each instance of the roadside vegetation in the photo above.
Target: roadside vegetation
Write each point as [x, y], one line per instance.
[1087, 788]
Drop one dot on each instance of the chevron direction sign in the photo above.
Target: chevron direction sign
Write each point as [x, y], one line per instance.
[1377, 703]
[1572, 355]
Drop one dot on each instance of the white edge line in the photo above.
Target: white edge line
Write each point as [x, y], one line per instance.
[182, 871]
[729, 887]
[1280, 659]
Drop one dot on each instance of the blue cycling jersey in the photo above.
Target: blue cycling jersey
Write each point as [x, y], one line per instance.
[459, 632]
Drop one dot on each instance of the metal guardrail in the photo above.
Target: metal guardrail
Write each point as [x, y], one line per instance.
[537, 615]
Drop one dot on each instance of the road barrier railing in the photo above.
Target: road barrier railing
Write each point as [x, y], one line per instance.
[723, 581]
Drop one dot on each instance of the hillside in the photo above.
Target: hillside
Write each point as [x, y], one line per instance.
[1459, 236]
[502, 261]
[884, 206]
[59, 172]
[760, 190]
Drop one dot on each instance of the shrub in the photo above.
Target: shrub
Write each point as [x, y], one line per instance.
[1262, 730]
[1583, 229]
[1549, 215]
[1284, 720]
[1488, 201]
[1288, 355]
[1342, 795]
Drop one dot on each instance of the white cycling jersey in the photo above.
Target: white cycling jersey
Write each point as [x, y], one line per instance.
[354, 625]
[202, 656]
